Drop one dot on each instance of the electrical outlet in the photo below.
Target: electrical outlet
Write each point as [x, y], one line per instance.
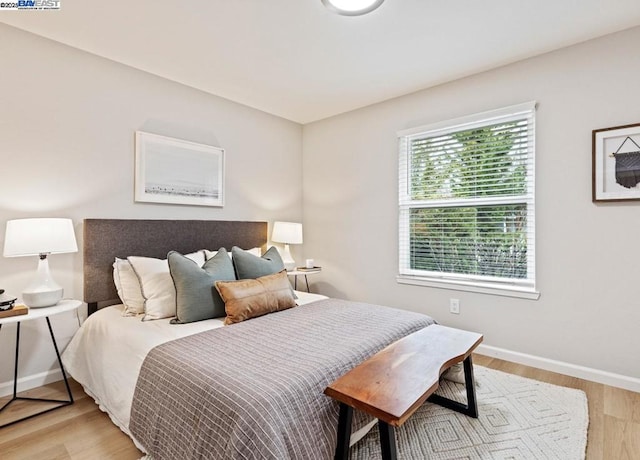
[454, 306]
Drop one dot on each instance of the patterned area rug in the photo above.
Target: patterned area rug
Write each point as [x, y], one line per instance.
[519, 418]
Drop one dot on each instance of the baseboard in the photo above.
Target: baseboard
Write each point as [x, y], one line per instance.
[573, 370]
[31, 381]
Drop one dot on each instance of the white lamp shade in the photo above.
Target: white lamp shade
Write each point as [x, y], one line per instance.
[287, 232]
[26, 237]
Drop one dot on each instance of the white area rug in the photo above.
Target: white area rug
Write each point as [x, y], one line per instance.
[518, 418]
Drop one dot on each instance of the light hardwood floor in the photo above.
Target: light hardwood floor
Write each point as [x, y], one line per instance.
[82, 431]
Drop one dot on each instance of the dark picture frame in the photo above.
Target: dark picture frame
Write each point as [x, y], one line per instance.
[616, 163]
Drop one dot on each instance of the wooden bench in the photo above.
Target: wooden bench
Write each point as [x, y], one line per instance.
[395, 382]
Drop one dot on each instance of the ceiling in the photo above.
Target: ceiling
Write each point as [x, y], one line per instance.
[298, 60]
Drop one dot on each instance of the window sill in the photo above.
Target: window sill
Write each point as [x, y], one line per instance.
[521, 292]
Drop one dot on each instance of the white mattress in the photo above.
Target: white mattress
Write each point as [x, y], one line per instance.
[106, 354]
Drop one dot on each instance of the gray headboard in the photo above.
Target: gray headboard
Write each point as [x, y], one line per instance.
[106, 239]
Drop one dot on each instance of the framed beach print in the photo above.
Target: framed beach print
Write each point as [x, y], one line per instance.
[616, 163]
[175, 171]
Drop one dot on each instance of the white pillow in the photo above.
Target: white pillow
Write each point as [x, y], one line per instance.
[157, 285]
[209, 254]
[128, 287]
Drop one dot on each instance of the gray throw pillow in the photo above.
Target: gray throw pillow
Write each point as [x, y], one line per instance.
[249, 266]
[196, 295]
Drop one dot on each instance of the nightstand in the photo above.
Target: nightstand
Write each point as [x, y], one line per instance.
[37, 313]
[297, 272]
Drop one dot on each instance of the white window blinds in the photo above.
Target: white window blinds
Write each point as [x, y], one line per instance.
[467, 200]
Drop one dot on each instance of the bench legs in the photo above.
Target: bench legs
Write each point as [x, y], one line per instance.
[471, 408]
[387, 441]
[388, 432]
[344, 432]
[387, 436]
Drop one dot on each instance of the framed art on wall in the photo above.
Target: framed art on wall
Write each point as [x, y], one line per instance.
[175, 171]
[616, 163]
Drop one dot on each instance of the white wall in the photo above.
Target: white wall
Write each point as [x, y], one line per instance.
[588, 313]
[67, 123]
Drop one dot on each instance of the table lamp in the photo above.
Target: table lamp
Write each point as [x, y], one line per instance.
[287, 233]
[41, 237]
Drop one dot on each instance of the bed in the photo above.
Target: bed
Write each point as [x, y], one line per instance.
[252, 389]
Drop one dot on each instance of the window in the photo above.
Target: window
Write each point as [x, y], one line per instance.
[467, 216]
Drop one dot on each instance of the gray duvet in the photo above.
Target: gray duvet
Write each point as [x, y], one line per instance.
[254, 390]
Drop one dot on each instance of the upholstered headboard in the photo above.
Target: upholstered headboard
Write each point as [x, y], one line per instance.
[106, 239]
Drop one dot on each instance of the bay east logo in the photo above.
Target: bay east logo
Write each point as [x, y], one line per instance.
[30, 5]
[39, 4]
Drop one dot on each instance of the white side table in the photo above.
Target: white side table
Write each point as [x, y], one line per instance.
[295, 273]
[36, 313]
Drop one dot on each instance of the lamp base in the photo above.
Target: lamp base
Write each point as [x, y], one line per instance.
[43, 290]
[287, 259]
[42, 299]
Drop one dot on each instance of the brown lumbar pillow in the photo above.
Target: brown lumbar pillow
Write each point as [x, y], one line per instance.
[246, 299]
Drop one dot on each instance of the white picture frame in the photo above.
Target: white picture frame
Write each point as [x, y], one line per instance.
[175, 171]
